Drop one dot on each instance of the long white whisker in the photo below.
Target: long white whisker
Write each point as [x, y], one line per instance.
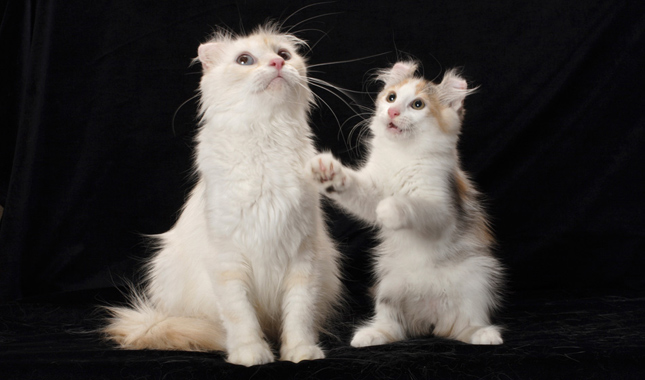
[300, 10]
[312, 18]
[325, 34]
[328, 106]
[178, 108]
[319, 98]
[340, 89]
[333, 93]
[349, 136]
[348, 60]
[363, 128]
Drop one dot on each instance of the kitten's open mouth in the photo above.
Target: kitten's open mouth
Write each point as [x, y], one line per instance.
[394, 129]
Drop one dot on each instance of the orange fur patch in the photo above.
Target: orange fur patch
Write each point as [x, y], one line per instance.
[232, 275]
[433, 103]
[462, 185]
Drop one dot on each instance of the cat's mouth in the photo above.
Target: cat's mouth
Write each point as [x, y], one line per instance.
[392, 128]
[277, 81]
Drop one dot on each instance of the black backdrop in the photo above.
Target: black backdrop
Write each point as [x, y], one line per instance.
[97, 127]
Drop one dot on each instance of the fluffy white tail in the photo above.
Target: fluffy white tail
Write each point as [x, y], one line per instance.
[143, 327]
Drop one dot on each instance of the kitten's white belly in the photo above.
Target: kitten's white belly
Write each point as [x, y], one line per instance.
[411, 274]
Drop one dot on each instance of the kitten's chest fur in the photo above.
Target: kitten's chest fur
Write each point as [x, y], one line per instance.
[407, 177]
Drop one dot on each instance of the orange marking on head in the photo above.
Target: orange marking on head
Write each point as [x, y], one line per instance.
[424, 89]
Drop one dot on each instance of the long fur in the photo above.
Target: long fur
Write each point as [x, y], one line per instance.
[434, 266]
[249, 262]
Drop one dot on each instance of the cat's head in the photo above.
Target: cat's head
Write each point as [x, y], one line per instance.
[410, 106]
[263, 68]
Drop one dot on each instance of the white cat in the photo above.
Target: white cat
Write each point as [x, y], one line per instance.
[249, 259]
[434, 267]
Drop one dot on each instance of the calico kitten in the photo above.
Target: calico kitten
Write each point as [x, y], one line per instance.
[249, 259]
[434, 267]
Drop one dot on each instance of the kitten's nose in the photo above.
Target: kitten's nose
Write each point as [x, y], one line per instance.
[277, 62]
[393, 112]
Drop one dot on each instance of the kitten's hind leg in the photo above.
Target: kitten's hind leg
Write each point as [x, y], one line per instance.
[481, 335]
[384, 328]
[463, 330]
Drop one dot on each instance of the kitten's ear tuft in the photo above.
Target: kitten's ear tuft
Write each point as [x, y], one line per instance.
[398, 73]
[208, 52]
[453, 89]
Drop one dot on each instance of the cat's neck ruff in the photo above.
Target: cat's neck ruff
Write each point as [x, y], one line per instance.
[277, 121]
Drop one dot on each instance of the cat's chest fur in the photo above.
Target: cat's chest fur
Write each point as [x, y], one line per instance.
[258, 181]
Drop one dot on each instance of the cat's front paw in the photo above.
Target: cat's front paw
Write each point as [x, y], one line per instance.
[487, 335]
[389, 214]
[251, 354]
[302, 352]
[327, 173]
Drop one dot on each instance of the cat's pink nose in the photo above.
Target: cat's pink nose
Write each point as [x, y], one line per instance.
[393, 112]
[277, 62]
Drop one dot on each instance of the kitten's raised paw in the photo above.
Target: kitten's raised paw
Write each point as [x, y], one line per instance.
[251, 354]
[390, 214]
[328, 173]
[487, 335]
[368, 336]
[300, 353]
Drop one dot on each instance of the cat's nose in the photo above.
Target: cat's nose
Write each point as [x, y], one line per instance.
[393, 112]
[277, 62]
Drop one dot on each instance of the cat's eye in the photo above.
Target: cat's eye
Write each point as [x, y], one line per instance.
[390, 97]
[245, 60]
[418, 104]
[284, 54]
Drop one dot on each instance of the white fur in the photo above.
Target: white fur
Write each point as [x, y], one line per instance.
[435, 272]
[249, 261]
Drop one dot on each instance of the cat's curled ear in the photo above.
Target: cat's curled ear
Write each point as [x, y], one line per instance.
[398, 73]
[453, 89]
[207, 54]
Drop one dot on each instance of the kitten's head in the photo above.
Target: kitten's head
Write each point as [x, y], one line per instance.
[263, 68]
[410, 106]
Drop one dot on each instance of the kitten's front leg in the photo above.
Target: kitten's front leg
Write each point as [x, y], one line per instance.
[391, 214]
[299, 332]
[329, 174]
[352, 190]
[398, 212]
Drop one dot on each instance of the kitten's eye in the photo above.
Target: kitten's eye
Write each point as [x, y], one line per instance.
[284, 54]
[245, 60]
[418, 104]
[391, 97]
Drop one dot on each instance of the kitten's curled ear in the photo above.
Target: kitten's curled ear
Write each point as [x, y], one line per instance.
[453, 89]
[207, 54]
[398, 73]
